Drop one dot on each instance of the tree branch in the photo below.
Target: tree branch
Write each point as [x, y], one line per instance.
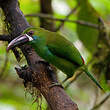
[41, 72]
[81, 22]
[101, 102]
[66, 18]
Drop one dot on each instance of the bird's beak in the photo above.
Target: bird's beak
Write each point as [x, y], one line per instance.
[22, 39]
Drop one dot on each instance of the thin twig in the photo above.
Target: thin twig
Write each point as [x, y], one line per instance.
[101, 102]
[104, 30]
[66, 18]
[81, 22]
[95, 99]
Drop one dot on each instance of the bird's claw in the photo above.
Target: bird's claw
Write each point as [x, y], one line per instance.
[55, 84]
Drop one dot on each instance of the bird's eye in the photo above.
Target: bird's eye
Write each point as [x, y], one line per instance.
[30, 33]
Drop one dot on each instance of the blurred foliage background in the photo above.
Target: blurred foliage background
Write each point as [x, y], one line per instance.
[92, 42]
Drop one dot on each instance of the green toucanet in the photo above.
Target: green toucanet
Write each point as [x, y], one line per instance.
[55, 49]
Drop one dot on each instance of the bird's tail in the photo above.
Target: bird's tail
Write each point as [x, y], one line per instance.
[92, 78]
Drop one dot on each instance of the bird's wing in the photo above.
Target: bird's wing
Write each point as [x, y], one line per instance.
[61, 47]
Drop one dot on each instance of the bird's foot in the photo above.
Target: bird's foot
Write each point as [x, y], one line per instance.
[55, 84]
[64, 80]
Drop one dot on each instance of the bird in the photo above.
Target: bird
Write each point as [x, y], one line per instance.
[54, 48]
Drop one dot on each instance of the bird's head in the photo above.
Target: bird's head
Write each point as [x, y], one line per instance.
[22, 39]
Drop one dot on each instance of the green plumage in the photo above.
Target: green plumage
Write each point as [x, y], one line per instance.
[57, 44]
[57, 50]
